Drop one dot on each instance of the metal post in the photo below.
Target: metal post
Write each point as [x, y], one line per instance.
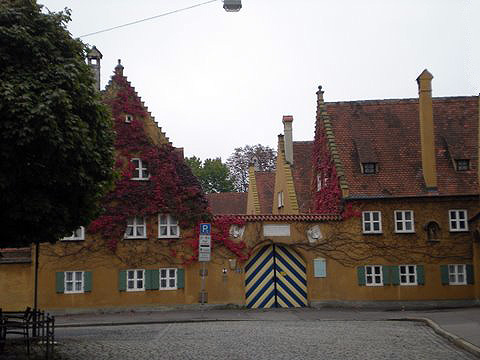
[202, 290]
[35, 296]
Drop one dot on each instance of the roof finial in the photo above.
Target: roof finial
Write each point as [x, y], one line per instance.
[320, 94]
[119, 68]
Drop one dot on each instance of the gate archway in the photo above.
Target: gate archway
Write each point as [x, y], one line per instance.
[276, 277]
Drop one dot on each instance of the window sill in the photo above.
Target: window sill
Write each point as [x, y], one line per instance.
[168, 237]
[373, 233]
[134, 290]
[135, 238]
[73, 292]
[74, 240]
[459, 231]
[404, 232]
[139, 179]
[167, 289]
[408, 284]
[373, 285]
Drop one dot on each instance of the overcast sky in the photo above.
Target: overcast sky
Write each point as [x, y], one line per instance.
[215, 80]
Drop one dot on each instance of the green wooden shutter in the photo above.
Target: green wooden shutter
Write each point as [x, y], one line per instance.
[469, 274]
[180, 278]
[122, 280]
[60, 282]
[395, 275]
[386, 275]
[152, 281]
[444, 274]
[87, 281]
[420, 275]
[361, 275]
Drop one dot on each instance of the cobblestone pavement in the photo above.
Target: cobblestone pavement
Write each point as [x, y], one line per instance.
[258, 340]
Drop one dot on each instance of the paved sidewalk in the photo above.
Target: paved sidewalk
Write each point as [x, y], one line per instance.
[462, 326]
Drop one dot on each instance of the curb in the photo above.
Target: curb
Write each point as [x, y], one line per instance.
[143, 322]
[456, 340]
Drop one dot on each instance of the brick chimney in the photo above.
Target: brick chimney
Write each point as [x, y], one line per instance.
[427, 131]
[93, 57]
[287, 130]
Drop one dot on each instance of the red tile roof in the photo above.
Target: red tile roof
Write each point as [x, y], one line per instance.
[390, 129]
[284, 218]
[265, 187]
[302, 173]
[227, 203]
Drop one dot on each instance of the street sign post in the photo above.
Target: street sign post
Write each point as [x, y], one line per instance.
[204, 251]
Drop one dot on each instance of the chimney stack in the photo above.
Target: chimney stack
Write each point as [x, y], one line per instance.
[93, 58]
[427, 131]
[287, 130]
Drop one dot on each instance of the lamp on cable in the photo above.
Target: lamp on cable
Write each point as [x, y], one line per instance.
[232, 5]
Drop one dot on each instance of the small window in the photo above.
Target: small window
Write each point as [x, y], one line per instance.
[141, 171]
[457, 274]
[462, 164]
[458, 220]
[404, 221]
[168, 279]
[168, 226]
[135, 280]
[321, 182]
[128, 118]
[280, 199]
[369, 168]
[320, 267]
[73, 282]
[136, 228]
[372, 222]
[77, 235]
[408, 274]
[373, 275]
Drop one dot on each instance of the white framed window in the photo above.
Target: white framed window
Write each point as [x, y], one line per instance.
[168, 279]
[404, 221]
[372, 222]
[458, 220]
[280, 199]
[408, 274]
[373, 275]
[74, 282]
[168, 226]
[457, 274]
[136, 280]
[321, 182]
[136, 228]
[141, 171]
[128, 118]
[78, 234]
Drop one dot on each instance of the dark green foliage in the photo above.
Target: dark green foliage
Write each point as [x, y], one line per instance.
[56, 138]
[213, 175]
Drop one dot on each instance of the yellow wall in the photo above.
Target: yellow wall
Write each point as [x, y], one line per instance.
[16, 286]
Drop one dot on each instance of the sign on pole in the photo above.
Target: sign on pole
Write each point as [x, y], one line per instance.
[204, 242]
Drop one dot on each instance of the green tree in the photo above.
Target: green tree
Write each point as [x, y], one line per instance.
[56, 137]
[263, 157]
[212, 174]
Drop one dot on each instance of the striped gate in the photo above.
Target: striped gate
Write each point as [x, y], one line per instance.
[275, 277]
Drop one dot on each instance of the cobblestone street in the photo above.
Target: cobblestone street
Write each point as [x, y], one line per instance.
[258, 340]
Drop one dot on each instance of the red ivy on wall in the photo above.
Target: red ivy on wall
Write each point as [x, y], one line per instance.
[171, 187]
[328, 198]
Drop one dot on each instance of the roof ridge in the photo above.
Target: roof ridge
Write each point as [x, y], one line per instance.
[398, 100]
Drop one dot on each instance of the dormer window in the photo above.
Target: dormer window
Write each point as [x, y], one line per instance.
[369, 168]
[128, 118]
[321, 182]
[462, 164]
[141, 171]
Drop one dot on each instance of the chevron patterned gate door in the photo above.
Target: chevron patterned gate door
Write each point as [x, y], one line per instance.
[276, 277]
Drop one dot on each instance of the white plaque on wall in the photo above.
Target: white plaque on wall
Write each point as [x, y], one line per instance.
[276, 230]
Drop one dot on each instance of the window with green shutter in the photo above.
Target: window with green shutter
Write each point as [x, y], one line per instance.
[122, 280]
[180, 278]
[470, 274]
[60, 282]
[87, 279]
[361, 275]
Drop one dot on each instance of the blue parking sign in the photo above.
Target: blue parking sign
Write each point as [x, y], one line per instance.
[205, 228]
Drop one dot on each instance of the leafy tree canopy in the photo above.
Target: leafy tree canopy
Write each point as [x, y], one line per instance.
[263, 157]
[56, 137]
[213, 175]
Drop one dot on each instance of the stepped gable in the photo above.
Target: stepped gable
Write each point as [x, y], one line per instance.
[302, 173]
[390, 129]
[227, 203]
[265, 187]
[151, 125]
